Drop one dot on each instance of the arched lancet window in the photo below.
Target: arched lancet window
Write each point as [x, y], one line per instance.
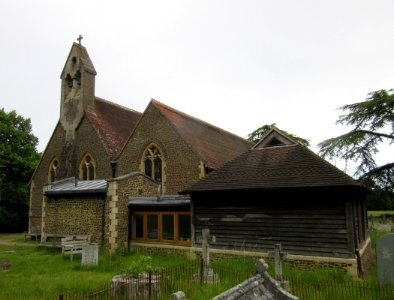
[152, 162]
[87, 168]
[53, 170]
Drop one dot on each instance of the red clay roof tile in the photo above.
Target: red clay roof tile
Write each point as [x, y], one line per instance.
[215, 146]
[113, 124]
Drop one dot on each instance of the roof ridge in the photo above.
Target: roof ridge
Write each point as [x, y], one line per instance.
[156, 102]
[115, 104]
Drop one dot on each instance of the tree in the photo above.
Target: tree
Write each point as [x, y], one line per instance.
[373, 124]
[256, 135]
[18, 159]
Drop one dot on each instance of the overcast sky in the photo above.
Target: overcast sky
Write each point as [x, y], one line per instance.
[235, 64]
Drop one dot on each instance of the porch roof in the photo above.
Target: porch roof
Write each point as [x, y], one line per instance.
[73, 186]
[160, 201]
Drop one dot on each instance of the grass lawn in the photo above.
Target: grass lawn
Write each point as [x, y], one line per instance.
[377, 213]
[41, 273]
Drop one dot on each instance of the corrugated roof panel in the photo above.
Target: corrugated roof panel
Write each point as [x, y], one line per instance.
[75, 186]
[164, 200]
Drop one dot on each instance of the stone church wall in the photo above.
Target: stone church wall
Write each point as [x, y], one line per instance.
[70, 156]
[120, 189]
[74, 216]
[181, 164]
[40, 177]
[87, 141]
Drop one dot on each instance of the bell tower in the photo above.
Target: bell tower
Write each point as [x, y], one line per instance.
[77, 90]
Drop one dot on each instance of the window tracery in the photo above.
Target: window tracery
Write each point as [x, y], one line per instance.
[153, 164]
[87, 169]
[53, 170]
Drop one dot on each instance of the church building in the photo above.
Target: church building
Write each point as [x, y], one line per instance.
[101, 155]
[159, 177]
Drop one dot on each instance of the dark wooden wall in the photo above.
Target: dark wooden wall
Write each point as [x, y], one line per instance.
[304, 222]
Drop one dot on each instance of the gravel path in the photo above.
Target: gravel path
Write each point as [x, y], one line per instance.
[11, 243]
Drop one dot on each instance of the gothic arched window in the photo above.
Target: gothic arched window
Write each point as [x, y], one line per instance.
[53, 170]
[152, 162]
[87, 168]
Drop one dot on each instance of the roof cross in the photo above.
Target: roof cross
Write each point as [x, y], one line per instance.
[79, 39]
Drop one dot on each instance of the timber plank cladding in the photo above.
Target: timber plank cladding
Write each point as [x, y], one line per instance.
[302, 222]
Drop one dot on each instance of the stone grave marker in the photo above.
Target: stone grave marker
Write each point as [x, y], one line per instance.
[90, 255]
[5, 265]
[385, 258]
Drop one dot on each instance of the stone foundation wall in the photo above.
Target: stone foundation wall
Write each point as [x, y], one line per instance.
[307, 263]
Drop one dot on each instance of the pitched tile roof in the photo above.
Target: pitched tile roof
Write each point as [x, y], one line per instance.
[113, 124]
[286, 166]
[213, 145]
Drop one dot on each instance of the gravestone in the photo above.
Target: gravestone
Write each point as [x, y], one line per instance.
[140, 286]
[5, 265]
[90, 255]
[385, 258]
[178, 296]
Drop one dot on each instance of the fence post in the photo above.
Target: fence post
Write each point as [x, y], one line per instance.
[201, 270]
[150, 284]
[60, 297]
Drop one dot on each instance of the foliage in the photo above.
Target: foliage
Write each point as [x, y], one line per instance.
[256, 135]
[18, 159]
[372, 123]
[380, 200]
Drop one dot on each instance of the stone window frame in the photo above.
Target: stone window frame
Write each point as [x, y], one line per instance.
[160, 239]
[145, 154]
[53, 169]
[87, 162]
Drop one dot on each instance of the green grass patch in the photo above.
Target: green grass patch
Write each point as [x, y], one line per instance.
[11, 237]
[378, 213]
[41, 273]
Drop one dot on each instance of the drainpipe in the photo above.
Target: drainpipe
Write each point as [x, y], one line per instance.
[129, 229]
[113, 166]
[104, 198]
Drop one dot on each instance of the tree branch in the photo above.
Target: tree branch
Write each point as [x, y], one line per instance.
[377, 170]
[379, 134]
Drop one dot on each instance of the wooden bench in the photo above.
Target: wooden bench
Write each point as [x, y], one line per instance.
[52, 240]
[74, 244]
[35, 231]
